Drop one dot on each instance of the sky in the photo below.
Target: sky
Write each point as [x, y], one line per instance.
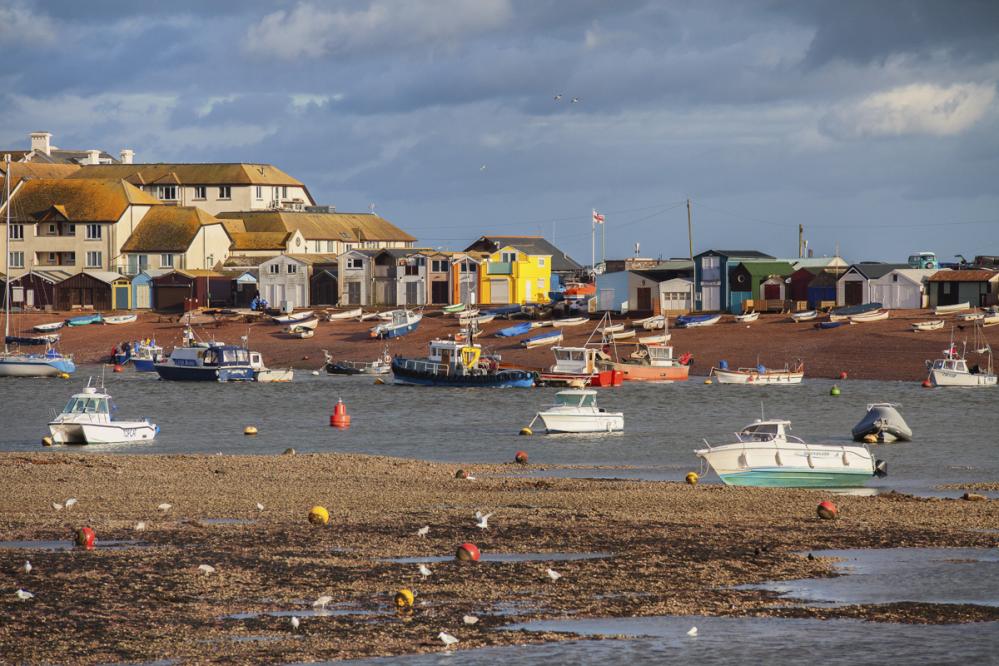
[873, 124]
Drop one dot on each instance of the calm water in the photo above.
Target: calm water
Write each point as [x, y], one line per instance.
[954, 428]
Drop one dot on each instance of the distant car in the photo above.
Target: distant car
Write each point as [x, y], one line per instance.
[923, 260]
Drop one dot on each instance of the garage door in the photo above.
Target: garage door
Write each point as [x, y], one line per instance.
[499, 291]
[710, 297]
[171, 298]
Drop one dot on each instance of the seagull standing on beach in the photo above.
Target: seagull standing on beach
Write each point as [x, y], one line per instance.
[554, 575]
[423, 531]
[57, 506]
[425, 571]
[322, 602]
[447, 639]
[483, 520]
[27, 567]
[23, 595]
[164, 507]
[70, 502]
[139, 526]
[294, 623]
[469, 619]
[260, 507]
[207, 568]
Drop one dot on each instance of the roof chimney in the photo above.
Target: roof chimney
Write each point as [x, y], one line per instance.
[41, 142]
[127, 155]
[93, 157]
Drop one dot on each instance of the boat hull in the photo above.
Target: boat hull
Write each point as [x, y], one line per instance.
[177, 373]
[646, 373]
[787, 478]
[950, 309]
[754, 377]
[94, 433]
[144, 364]
[35, 367]
[939, 377]
[791, 466]
[884, 422]
[416, 376]
[397, 332]
[556, 422]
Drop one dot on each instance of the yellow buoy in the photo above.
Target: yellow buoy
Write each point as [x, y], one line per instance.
[318, 515]
[250, 430]
[692, 478]
[526, 431]
[379, 380]
[707, 381]
[404, 598]
[46, 441]
[870, 439]
[64, 375]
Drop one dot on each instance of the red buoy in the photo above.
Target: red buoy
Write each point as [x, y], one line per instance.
[927, 383]
[520, 457]
[842, 375]
[468, 552]
[461, 474]
[340, 417]
[827, 510]
[85, 538]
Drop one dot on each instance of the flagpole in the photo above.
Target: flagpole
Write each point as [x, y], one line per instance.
[593, 242]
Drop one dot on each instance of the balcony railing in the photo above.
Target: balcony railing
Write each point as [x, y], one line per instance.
[499, 268]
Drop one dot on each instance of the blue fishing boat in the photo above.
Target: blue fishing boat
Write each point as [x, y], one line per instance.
[456, 364]
[514, 331]
[505, 310]
[830, 324]
[547, 338]
[142, 354]
[83, 320]
[401, 323]
[209, 362]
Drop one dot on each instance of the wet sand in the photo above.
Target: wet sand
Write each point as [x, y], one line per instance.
[673, 549]
[886, 350]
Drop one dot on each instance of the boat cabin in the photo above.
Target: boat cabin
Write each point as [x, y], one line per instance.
[954, 365]
[576, 398]
[657, 355]
[454, 353]
[764, 431]
[574, 360]
[88, 402]
[213, 355]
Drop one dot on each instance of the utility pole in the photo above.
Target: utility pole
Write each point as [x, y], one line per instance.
[690, 232]
[801, 239]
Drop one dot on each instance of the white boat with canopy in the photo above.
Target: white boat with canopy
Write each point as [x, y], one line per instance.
[953, 368]
[86, 419]
[576, 411]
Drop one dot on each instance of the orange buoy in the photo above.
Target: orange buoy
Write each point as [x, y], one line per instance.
[843, 375]
[118, 368]
[468, 552]
[827, 510]
[85, 538]
[520, 457]
[927, 383]
[340, 417]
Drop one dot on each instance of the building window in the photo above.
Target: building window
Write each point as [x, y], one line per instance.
[292, 269]
[167, 192]
[17, 232]
[93, 232]
[225, 192]
[93, 259]
[16, 260]
[541, 262]
[166, 261]
[284, 192]
[72, 230]
[412, 269]
[200, 192]
[52, 229]
[509, 257]
[355, 263]
[259, 194]
[438, 266]
[274, 269]
[331, 246]
[541, 284]
[319, 247]
[52, 257]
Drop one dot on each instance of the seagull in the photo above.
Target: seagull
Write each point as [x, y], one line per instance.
[558, 97]
[260, 507]
[295, 622]
[322, 601]
[24, 596]
[164, 506]
[27, 567]
[574, 100]
[483, 520]
[423, 531]
[554, 575]
[692, 632]
[425, 570]
[70, 502]
[447, 639]
[139, 526]
[470, 619]
[57, 506]
[207, 568]
[482, 168]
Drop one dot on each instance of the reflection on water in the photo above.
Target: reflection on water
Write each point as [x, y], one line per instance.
[664, 423]
[736, 642]
[929, 575]
[504, 557]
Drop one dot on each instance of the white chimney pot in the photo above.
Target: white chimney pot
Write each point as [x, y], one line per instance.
[41, 142]
[127, 155]
[93, 157]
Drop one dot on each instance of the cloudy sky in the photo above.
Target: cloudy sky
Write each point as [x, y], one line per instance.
[874, 124]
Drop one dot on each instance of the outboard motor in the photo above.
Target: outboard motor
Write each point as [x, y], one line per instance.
[880, 468]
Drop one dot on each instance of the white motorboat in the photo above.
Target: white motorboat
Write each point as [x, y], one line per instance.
[876, 315]
[747, 318]
[569, 321]
[953, 369]
[932, 325]
[344, 314]
[400, 323]
[806, 315]
[268, 376]
[547, 338]
[951, 309]
[292, 318]
[120, 319]
[971, 316]
[86, 419]
[576, 411]
[765, 455]
[760, 375]
[48, 328]
[304, 329]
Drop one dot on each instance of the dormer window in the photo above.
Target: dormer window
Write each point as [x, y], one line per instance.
[509, 257]
[166, 192]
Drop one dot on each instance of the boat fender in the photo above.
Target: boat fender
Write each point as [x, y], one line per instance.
[743, 462]
[826, 510]
[318, 515]
[340, 418]
[468, 552]
[86, 538]
[846, 459]
[777, 459]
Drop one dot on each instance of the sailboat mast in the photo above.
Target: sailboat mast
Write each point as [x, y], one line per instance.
[6, 254]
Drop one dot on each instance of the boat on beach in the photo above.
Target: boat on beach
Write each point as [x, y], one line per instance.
[401, 323]
[653, 323]
[951, 309]
[747, 318]
[658, 339]
[458, 364]
[932, 325]
[117, 320]
[86, 419]
[691, 321]
[649, 363]
[48, 328]
[515, 330]
[569, 321]
[84, 320]
[576, 411]
[546, 338]
[882, 423]
[970, 316]
[758, 376]
[343, 314]
[806, 315]
[33, 340]
[844, 313]
[610, 328]
[292, 318]
[823, 325]
[875, 315]
[453, 309]
[765, 455]
[303, 329]
[620, 335]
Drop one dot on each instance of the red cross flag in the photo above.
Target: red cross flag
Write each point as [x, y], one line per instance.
[597, 218]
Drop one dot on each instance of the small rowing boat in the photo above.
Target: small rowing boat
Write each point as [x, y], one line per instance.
[659, 339]
[844, 313]
[690, 321]
[612, 328]
[32, 340]
[515, 330]
[83, 320]
[344, 314]
[48, 328]
[620, 335]
[453, 309]
[807, 315]
[932, 325]
[120, 319]
[570, 321]
[546, 338]
[877, 315]
[748, 317]
[292, 318]
[951, 309]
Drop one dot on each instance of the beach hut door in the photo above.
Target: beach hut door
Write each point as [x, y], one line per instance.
[29, 298]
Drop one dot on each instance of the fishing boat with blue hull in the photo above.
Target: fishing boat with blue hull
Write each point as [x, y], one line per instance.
[691, 321]
[764, 455]
[504, 310]
[211, 363]
[32, 340]
[401, 323]
[515, 330]
[142, 354]
[456, 364]
[84, 320]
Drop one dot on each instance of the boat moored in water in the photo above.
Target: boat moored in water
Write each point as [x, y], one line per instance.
[882, 422]
[380, 366]
[953, 368]
[576, 411]
[649, 363]
[86, 419]
[458, 364]
[142, 354]
[758, 376]
[764, 455]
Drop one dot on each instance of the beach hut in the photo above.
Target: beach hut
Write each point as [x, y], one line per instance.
[246, 288]
[142, 288]
[36, 288]
[323, 285]
[821, 290]
[612, 292]
[902, 288]
[979, 287]
[759, 281]
[711, 276]
[199, 287]
[854, 286]
[94, 290]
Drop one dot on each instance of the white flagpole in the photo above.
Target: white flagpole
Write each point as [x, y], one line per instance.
[593, 242]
